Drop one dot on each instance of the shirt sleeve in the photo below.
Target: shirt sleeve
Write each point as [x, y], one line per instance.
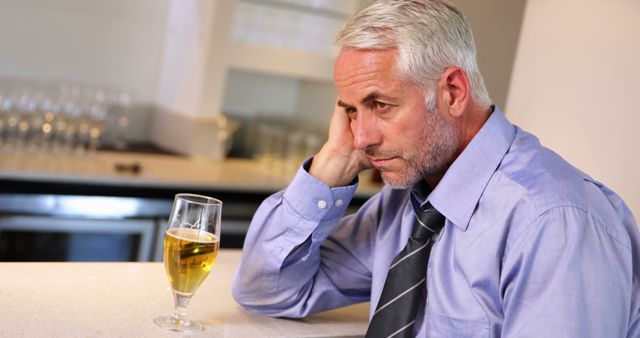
[299, 255]
[569, 275]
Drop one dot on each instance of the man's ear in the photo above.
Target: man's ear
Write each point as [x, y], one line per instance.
[455, 91]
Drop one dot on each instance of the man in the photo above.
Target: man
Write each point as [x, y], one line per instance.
[529, 246]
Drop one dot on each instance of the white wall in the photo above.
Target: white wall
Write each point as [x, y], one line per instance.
[576, 84]
[115, 43]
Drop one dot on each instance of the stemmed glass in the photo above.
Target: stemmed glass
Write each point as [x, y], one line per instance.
[191, 245]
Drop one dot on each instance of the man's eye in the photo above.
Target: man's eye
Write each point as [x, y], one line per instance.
[380, 105]
[351, 112]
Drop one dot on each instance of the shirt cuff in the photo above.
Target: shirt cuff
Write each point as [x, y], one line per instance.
[313, 200]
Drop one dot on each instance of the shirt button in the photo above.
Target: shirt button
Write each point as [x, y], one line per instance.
[339, 203]
[322, 204]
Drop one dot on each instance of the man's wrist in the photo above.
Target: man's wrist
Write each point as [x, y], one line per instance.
[312, 199]
[331, 173]
[307, 167]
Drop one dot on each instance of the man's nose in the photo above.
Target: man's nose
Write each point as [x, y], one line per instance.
[365, 132]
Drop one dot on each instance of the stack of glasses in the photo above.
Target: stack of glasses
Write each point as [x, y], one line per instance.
[61, 118]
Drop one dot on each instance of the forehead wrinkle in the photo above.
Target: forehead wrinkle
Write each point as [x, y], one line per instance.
[349, 80]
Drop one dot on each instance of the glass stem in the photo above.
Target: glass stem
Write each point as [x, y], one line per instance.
[180, 309]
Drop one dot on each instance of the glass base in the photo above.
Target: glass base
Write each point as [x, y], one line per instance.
[172, 323]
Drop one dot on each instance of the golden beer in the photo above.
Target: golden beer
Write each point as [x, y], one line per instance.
[189, 255]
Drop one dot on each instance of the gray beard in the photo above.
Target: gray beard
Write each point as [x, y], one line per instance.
[432, 158]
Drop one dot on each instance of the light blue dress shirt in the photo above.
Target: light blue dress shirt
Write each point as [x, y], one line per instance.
[532, 247]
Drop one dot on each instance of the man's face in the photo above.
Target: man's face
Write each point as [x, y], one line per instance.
[389, 118]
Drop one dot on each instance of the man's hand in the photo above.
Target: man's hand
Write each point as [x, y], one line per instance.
[338, 162]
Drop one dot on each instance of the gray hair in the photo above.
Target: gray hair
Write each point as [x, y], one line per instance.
[430, 35]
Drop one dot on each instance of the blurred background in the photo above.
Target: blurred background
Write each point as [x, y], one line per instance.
[134, 100]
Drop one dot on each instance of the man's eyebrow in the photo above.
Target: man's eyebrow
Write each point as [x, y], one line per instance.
[344, 105]
[370, 97]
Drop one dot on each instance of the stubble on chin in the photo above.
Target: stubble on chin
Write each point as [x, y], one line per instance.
[432, 159]
[401, 178]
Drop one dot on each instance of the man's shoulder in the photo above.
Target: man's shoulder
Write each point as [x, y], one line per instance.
[534, 189]
[534, 181]
[541, 178]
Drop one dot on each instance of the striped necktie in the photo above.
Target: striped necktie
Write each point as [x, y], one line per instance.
[402, 292]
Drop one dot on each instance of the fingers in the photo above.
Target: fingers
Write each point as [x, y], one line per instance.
[339, 126]
[338, 162]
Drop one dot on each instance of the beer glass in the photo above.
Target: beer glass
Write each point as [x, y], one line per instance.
[191, 245]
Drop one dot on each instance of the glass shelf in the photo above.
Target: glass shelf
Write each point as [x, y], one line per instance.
[303, 26]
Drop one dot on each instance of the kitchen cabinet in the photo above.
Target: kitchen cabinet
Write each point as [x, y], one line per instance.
[289, 40]
[86, 198]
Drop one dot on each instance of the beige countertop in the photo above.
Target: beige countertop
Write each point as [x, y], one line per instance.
[121, 300]
[157, 171]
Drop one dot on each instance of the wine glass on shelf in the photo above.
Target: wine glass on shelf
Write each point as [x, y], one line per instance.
[191, 245]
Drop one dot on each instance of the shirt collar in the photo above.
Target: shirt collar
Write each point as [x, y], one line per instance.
[458, 192]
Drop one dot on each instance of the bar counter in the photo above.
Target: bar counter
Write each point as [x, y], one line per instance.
[121, 300]
[100, 170]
